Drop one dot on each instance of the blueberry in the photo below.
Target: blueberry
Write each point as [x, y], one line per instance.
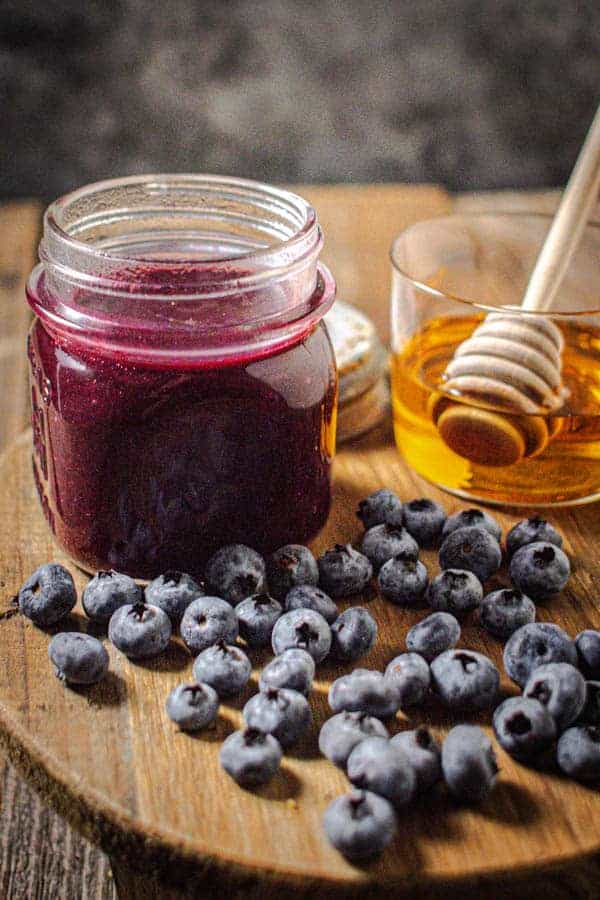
[343, 571]
[559, 687]
[235, 572]
[431, 636]
[382, 542]
[192, 706]
[225, 668]
[588, 652]
[471, 548]
[540, 570]
[469, 763]
[173, 591]
[360, 824]
[341, 733]
[503, 612]
[279, 711]
[524, 727]
[303, 628]
[424, 520]
[364, 690]
[294, 669]
[306, 596]
[472, 518]
[251, 757]
[534, 645]
[257, 616]
[578, 752]
[464, 679]
[107, 592]
[590, 714]
[403, 580]
[424, 754]
[456, 591]
[530, 531]
[48, 595]
[411, 678]
[289, 566]
[206, 621]
[381, 508]
[139, 630]
[353, 633]
[377, 765]
[78, 658]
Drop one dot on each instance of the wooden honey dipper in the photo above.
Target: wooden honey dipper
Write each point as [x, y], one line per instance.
[513, 361]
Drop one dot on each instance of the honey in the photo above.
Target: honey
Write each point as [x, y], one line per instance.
[566, 471]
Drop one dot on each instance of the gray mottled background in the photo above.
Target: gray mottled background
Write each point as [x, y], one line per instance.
[472, 93]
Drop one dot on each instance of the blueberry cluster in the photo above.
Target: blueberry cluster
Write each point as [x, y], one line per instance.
[387, 773]
[289, 602]
[279, 602]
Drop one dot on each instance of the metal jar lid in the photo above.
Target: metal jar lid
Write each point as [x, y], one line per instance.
[362, 368]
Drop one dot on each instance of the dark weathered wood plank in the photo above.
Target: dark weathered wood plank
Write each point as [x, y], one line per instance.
[40, 855]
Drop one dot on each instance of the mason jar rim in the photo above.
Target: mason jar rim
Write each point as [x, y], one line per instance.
[473, 304]
[80, 262]
[203, 266]
[159, 183]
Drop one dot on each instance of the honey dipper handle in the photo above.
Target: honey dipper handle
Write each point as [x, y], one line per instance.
[568, 225]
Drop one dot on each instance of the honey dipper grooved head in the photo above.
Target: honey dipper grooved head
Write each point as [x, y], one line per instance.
[513, 365]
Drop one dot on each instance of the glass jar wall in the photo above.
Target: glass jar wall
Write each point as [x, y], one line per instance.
[183, 384]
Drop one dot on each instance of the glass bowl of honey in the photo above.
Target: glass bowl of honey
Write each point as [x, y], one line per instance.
[457, 286]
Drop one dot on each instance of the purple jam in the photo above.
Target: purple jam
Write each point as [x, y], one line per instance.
[144, 468]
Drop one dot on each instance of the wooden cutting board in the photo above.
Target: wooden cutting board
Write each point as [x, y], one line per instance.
[157, 801]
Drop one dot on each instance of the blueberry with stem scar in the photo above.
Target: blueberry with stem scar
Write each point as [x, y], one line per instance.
[251, 757]
[290, 566]
[280, 712]
[48, 595]
[382, 542]
[225, 668]
[140, 631]
[192, 706]
[456, 591]
[343, 571]
[534, 645]
[360, 824]
[530, 531]
[540, 570]
[173, 591]
[303, 628]
[236, 571]
[471, 548]
[524, 727]
[464, 679]
[424, 520]
[306, 596]
[382, 507]
[424, 754]
[341, 733]
[106, 592]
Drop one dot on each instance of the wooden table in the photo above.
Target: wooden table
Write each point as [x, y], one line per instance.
[40, 855]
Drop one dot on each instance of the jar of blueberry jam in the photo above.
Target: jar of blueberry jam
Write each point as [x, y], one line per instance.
[183, 384]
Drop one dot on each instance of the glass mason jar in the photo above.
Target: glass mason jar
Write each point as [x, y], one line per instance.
[513, 416]
[183, 384]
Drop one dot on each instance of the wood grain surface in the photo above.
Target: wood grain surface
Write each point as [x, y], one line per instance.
[157, 801]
